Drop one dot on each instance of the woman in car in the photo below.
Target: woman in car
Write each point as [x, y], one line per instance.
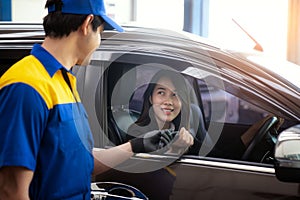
[165, 108]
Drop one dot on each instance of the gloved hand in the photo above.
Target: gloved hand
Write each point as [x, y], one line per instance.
[152, 141]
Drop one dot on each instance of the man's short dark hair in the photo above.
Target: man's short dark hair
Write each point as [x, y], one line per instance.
[57, 24]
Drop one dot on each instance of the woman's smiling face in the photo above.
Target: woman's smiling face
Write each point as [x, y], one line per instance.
[166, 103]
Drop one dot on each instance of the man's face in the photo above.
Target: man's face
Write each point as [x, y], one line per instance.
[89, 44]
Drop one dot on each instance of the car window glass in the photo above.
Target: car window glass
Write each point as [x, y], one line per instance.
[227, 107]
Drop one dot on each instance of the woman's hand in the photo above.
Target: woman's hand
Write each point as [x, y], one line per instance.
[183, 140]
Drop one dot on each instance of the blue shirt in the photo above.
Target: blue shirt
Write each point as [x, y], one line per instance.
[44, 129]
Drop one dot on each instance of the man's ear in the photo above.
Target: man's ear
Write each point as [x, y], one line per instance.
[85, 26]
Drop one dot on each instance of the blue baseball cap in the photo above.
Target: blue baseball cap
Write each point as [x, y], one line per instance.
[86, 7]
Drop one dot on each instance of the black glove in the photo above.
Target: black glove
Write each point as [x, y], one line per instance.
[152, 141]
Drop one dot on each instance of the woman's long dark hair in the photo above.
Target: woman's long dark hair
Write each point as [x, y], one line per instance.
[182, 120]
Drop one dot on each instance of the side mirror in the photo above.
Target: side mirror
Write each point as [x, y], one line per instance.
[287, 155]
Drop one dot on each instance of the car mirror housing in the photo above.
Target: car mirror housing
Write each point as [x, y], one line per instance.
[287, 155]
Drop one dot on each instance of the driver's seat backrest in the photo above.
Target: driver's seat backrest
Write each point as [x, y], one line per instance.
[121, 79]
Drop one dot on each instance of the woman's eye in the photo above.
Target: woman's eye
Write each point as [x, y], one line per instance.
[161, 92]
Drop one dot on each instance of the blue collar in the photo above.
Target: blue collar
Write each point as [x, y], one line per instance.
[48, 61]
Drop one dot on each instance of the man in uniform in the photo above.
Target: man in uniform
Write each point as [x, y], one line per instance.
[46, 146]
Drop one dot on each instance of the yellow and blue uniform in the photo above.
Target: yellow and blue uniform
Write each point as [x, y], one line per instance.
[44, 128]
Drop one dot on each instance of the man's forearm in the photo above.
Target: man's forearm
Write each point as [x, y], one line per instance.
[104, 159]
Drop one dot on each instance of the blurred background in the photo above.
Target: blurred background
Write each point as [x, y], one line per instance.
[266, 25]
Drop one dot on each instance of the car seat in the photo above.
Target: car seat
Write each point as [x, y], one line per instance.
[121, 84]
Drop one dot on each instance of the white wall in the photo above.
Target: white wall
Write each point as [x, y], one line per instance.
[119, 10]
[161, 13]
[265, 20]
[28, 10]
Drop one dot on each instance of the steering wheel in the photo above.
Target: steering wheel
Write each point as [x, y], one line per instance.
[115, 190]
[263, 130]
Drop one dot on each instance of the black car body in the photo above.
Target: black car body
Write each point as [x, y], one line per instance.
[231, 91]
